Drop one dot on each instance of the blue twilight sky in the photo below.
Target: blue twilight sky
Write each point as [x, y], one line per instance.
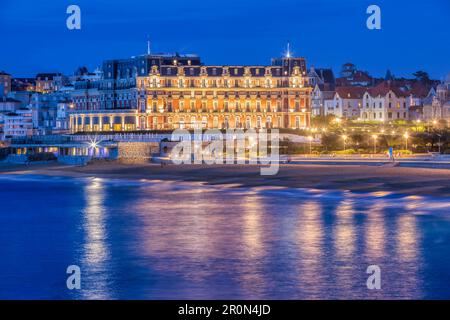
[415, 33]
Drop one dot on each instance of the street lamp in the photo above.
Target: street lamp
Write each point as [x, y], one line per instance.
[439, 143]
[406, 136]
[310, 144]
[374, 137]
[344, 137]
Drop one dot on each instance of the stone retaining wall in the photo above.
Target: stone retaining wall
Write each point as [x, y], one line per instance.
[136, 152]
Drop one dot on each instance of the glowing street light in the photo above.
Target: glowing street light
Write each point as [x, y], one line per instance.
[310, 144]
[374, 137]
[406, 136]
[344, 137]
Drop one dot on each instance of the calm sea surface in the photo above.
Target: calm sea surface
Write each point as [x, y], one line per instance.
[172, 240]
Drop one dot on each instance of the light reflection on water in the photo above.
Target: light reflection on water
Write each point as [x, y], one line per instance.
[173, 240]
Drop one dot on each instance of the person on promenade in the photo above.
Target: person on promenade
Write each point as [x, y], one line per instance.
[391, 154]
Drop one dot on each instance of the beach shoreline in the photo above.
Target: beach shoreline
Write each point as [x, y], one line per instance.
[354, 178]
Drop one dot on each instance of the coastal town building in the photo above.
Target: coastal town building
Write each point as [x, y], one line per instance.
[387, 101]
[45, 111]
[437, 106]
[8, 104]
[18, 124]
[5, 83]
[162, 92]
[321, 99]
[346, 102]
[351, 76]
[23, 84]
[323, 77]
[50, 82]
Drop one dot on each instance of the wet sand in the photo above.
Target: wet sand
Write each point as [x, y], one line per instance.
[356, 178]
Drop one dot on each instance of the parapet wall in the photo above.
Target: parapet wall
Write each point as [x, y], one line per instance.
[136, 152]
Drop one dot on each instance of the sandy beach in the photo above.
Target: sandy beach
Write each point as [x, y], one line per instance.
[357, 178]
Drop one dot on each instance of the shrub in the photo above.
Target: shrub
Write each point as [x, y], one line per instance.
[403, 152]
[348, 151]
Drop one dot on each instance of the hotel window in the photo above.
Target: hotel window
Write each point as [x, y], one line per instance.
[181, 83]
[381, 115]
[398, 105]
[235, 71]
[193, 123]
[181, 106]
[268, 105]
[225, 104]
[278, 106]
[238, 122]
[215, 105]
[215, 122]
[398, 115]
[248, 123]
[203, 106]
[269, 122]
[192, 106]
[204, 83]
[155, 106]
[258, 122]
[247, 106]
[204, 122]
[297, 122]
[226, 122]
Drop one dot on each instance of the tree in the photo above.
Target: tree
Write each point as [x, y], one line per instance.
[322, 121]
[421, 76]
[332, 141]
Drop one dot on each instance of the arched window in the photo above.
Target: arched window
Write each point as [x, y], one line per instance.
[248, 123]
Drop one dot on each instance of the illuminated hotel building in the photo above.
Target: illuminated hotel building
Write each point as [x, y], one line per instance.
[170, 92]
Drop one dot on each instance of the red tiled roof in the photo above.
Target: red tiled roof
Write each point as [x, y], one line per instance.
[383, 88]
[351, 92]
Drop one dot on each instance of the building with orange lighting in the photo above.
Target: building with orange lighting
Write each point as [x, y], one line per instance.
[161, 92]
